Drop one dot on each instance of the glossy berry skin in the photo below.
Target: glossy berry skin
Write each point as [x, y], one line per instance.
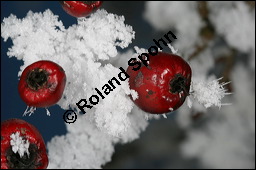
[37, 159]
[42, 84]
[80, 8]
[163, 85]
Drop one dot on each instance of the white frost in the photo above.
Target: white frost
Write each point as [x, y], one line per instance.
[173, 50]
[134, 94]
[81, 50]
[171, 109]
[208, 93]
[189, 102]
[227, 140]
[235, 22]
[18, 144]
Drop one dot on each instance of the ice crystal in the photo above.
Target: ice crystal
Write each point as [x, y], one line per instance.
[18, 144]
[209, 93]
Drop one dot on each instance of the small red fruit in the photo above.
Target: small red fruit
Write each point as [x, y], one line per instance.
[42, 84]
[163, 85]
[36, 158]
[80, 8]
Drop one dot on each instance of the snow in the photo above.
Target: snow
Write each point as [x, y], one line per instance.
[208, 93]
[189, 102]
[80, 49]
[19, 145]
[173, 50]
[77, 49]
[134, 94]
[235, 22]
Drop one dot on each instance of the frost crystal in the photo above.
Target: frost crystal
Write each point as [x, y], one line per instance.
[18, 144]
[189, 102]
[234, 21]
[80, 50]
[209, 93]
[139, 51]
[171, 109]
[134, 94]
[173, 50]
[83, 50]
[29, 110]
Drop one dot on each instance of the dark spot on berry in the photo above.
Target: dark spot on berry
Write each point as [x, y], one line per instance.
[139, 79]
[150, 92]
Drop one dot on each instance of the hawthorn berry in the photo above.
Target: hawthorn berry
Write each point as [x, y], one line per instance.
[22, 146]
[162, 85]
[42, 84]
[80, 8]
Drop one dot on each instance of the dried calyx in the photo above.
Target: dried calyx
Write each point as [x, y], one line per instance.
[178, 84]
[15, 161]
[37, 78]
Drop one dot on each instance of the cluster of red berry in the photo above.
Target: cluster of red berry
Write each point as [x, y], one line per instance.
[162, 84]
[41, 85]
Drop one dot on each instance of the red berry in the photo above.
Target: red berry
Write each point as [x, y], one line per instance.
[37, 157]
[42, 84]
[163, 85]
[80, 8]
